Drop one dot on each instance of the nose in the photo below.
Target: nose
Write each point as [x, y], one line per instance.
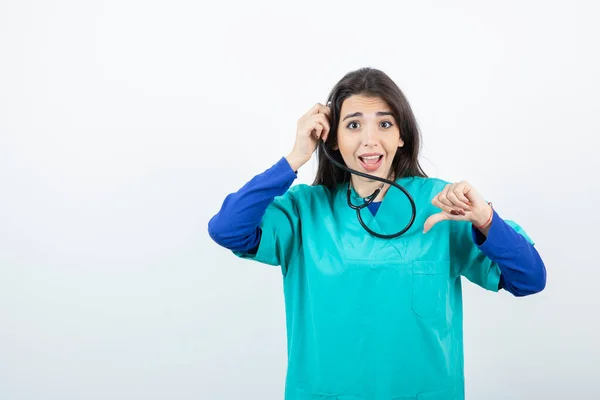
[369, 137]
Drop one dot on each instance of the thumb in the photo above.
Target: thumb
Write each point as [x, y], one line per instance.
[434, 219]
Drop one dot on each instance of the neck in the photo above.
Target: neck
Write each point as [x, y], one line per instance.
[365, 187]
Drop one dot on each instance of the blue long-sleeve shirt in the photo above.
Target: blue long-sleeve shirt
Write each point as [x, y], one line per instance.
[237, 227]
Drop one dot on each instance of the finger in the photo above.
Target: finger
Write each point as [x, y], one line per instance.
[434, 219]
[442, 196]
[322, 118]
[452, 203]
[456, 201]
[326, 127]
[325, 110]
[461, 190]
[317, 129]
[325, 132]
[315, 109]
[444, 207]
[471, 194]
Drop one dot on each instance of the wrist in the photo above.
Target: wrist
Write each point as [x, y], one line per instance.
[295, 161]
[484, 217]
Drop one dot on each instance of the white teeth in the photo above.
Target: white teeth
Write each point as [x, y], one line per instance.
[370, 159]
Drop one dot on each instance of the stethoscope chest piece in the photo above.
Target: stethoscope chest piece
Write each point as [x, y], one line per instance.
[369, 199]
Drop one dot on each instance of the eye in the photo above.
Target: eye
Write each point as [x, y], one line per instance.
[389, 124]
[353, 125]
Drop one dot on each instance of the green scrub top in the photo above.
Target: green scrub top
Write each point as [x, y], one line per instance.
[371, 318]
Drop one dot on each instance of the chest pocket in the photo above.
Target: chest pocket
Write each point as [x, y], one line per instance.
[430, 288]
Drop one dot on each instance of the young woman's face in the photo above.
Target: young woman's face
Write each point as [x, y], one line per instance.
[368, 135]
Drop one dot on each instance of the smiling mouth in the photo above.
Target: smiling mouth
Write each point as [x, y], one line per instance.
[370, 159]
[371, 162]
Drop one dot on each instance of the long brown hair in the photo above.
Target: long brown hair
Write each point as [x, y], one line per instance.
[372, 83]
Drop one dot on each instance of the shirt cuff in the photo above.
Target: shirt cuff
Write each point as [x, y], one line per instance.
[284, 167]
[478, 237]
[500, 238]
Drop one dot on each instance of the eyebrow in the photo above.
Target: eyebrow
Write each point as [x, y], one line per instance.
[359, 114]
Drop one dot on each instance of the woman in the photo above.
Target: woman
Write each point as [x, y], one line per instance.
[373, 318]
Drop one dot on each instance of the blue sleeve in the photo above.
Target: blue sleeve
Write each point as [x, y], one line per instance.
[522, 269]
[236, 225]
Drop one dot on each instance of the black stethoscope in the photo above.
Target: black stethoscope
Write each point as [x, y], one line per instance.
[369, 199]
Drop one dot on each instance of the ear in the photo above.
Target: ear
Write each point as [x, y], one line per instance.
[400, 142]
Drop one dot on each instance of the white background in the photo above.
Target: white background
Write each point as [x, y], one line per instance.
[124, 124]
